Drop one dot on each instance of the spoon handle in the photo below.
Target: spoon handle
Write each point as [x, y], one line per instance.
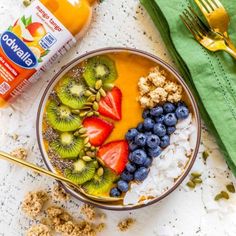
[37, 169]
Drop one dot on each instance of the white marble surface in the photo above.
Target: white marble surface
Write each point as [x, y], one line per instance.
[184, 212]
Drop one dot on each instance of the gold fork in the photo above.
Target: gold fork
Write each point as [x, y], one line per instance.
[217, 17]
[203, 34]
[40, 170]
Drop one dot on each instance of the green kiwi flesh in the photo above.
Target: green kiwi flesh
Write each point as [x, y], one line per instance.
[71, 92]
[67, 145]
[60, 117]
[82, 172]
[100, 185]
[100, 68]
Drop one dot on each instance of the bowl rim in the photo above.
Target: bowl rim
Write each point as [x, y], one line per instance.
[159, 61]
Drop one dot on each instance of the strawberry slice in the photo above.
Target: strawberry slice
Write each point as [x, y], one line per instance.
[110, 106]
[98, 130]
[115, 155]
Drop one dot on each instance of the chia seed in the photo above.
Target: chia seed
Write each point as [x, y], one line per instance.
[50, 134]
[53, 96]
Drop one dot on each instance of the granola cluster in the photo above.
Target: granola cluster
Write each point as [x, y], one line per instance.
[33, 203]
[39, 230]
[156, 88]
[59, 194]
[20, 153]
[125, 224]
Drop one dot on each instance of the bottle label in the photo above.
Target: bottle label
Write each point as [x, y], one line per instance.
[29, 47]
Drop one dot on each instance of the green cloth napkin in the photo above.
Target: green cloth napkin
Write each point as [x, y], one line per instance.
[211, 76]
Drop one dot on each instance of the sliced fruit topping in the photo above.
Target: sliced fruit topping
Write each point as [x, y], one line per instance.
[61, 118]
[71, 92]
[67, 145]
[115, 155]
[98, 130]
[110, 106]
[101, 183]
[82, 172]
[100, 68]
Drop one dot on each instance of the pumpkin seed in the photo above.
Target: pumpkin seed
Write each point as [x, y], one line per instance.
[92, 98]
[87, 158]
[205, 155]
[98, 84]
[96, 113]
[82, 131]
[85, 108]
[91, 154]
[96, 164]
[95, 106]
[81, 154]
[191, 184]
[102, 92]
[76, 112]
[230, 188]
[76, 133]
[92, 90]
[98, 97]
[93, 148]
[109, 87]
[84, 135]
[83, 113]
[88, 93]
[86, 140]
[26, 3]
[88, 145]
[196, 174]
[100, 172]
[218, 197]
[91, 113]
[225, 195]
[197, 180]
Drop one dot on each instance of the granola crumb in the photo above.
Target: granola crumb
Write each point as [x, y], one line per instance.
[156, 88]
[39, 230]
[33, 203]
[20, 153]
[59, 194]
[88, 211]
[100, 227]
[86, 229]
[124, 225]
[102, 216]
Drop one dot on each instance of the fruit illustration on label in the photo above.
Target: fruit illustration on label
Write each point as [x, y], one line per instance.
[30, 33]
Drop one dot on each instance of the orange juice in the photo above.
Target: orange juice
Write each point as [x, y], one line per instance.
[46, 30]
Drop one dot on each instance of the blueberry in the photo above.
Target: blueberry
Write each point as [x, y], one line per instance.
[131, 134]
[159, 129]
[141, 174]
[154, 152]
[169, 107]
[165, 141]
[148, 162]
[171, 130]
[127, 176]
[140, 140]
[115, 192]
[181, 103]
[160, 119]
[156, 111]
[123, 186]
[133, 146]
[140, 127]
[170, 119]
[148, 124]
[153, 141]
[148, 133]
[139, 157]
[130, 167]
[146, 114]
[182, 112]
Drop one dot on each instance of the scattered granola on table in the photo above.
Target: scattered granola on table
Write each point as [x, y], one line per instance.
[33, 203]
[59, 194]
[20, 153]
[157, 88]
[88, 211]
[39, 230]
[124, 225]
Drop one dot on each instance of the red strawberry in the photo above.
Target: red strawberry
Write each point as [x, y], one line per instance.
[115, 155]
[98, 130]
[110, 106]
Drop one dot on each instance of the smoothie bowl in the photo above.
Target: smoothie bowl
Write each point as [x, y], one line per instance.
[119, 123]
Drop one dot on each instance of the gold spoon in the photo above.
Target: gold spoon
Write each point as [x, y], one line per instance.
[40, 170]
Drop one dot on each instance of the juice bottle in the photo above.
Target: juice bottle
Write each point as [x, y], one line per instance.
[46, 30]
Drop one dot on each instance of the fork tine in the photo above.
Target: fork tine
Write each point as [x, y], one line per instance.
[212, 4]
[218, 3]
[201, 6]
[206, 6]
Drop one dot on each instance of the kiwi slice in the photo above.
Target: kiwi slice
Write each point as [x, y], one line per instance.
[61, 118]
[82, 172]
[67, 145]
[71, 92]
[99, 185]
[100, 68]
